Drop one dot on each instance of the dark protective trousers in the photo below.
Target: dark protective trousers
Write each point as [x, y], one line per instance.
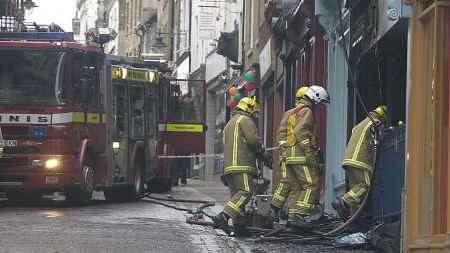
[359, 184]
[304, 189]
[241, 187]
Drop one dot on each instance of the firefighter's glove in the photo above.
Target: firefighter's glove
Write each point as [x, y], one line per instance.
[283, 144]
[311, 161]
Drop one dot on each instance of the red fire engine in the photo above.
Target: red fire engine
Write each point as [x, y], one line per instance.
[182, 125]
[67, 124]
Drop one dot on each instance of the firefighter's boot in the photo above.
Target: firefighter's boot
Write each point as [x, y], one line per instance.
[241, 231]
[275, 214]
[221, 221]
[298, 221]
[340, 207]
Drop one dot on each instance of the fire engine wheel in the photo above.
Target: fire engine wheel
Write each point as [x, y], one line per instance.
[128, 192]
[20, 197]
[82, 194]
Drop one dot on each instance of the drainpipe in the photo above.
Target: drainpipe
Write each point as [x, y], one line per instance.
[190, 36]
[172, 28]
[243, 36]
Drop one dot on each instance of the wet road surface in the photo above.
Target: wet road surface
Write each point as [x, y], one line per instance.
[101, 227]
[120, 227]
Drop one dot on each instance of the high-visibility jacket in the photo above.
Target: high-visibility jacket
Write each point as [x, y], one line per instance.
[282, 133]
[241, 144]
[296, 134]
[360, 148]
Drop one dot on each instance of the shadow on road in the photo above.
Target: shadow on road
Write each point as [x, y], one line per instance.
[52, 201]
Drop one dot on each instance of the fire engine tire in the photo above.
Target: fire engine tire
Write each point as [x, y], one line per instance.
[159, 184]
[83, 194]
[127, 193]
[20, 197]
[120, 193]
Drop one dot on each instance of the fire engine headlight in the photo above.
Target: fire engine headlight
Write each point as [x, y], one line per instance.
[116, 145]
[51, 163]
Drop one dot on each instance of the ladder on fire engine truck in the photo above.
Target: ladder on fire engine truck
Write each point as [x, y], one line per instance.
[37, 32]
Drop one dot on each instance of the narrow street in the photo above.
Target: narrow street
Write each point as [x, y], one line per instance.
[102, 227]
[53, 226]
[291, 126]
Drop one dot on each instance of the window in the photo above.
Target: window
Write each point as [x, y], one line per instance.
[137, 112]
[151, 114]
[188, 101]
[120, 111]
[86, 81]
[33, 77]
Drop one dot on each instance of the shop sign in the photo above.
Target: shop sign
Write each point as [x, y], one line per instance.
[265, 59]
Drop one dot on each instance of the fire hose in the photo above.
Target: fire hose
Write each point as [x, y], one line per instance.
[277, 234]
[199, 210]
[325, 234]
[265, 235]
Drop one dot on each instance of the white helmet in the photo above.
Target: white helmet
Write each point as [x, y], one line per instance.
[317, 94]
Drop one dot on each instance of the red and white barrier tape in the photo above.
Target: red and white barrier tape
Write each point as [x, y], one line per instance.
[203, 155]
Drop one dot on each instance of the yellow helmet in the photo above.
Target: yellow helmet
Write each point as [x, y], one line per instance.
[301, 92]
[248, 104]
[381, 111]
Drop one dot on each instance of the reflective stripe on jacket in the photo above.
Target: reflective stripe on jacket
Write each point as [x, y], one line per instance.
[241, 144]
[300, 138]
[360, 148]
[282, 133]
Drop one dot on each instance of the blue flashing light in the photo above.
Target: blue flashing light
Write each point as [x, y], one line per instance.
[39, 132]
[37, 36]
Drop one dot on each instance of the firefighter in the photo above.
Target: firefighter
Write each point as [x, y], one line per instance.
[302, 156]
[241, 149]
[359, 159]
[282, 189]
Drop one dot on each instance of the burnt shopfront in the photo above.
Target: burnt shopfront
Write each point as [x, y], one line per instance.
[378, 56]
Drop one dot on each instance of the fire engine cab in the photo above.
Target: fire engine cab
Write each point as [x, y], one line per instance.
[55, 128]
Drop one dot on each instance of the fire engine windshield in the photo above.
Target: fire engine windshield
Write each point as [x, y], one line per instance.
[31, 77]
